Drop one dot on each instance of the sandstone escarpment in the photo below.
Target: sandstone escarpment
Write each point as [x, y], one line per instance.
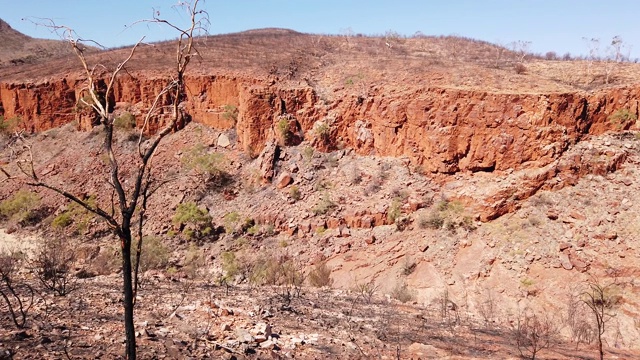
[440, 130]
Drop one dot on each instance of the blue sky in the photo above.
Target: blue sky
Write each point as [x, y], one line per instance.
[558, 25]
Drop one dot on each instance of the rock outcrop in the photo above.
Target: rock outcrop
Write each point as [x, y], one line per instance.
[440, 130]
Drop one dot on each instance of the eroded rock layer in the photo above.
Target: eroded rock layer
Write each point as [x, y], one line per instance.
[440, 130]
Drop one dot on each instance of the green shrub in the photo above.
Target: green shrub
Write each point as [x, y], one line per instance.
[62, 221]
[322, 132]
[230, 113]
[254, 230]
[451, 215]
[526, 282]
[9, 125]
[277, 271]
[307, 153]
[433, 221]
[76, 214]
[204, 163]
[189, 212]
[324, 206]
[294, 192]
[622, 117]
[230, 266]
[196, 221]
[154, 254]
[84, 102]
[394, 211]
[126, 121]
[20, 205]
[230, 221]
[284, 131]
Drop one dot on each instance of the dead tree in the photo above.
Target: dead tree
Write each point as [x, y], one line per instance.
[534, 333]
[18, 297]
[129, 197]
[601, 300]
[615, 56]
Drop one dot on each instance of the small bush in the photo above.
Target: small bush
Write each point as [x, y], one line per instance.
[195, 222]
[378, 179]
[395, 210]
[533, 334]
[402, 293]
[253, 230]
[230, 267]
[526, 282]
[62, 221]
[208, 165]
[279, 271]
[154, 254]
[307, 153]
[193, 260]
[433, 221]
[283, 131]
[331, 161]
[621, 118]
[320, 276]
[467, 223]
[365, 290]
[230, 221]
[322, 132]
[270, 230]
[324, 206]
[294, 192]
[126, 121]
[520, 68]
[408, 267]
[355, 175]
[75, 214]
[7, 126]
[230, 113]
[19, 206]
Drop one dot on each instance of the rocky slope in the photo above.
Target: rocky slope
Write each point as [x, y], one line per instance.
[18, 48]
[479, 198]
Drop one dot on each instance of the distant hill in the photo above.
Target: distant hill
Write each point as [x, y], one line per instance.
[17, 48]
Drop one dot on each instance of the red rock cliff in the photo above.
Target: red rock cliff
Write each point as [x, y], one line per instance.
[441, 130]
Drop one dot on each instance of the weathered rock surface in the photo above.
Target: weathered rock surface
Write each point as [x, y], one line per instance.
[441, 130]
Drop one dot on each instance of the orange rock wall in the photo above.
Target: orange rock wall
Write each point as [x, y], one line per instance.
[441, 130]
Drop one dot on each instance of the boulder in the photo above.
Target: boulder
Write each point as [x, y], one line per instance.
[284, 180]
[223, 141]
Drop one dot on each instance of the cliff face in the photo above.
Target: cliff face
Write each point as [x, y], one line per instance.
[440, 130]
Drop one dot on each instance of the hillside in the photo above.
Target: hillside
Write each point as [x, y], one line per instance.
[452, 189]
[17, 48]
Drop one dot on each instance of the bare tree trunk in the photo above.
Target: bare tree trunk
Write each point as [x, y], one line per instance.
[127, 290]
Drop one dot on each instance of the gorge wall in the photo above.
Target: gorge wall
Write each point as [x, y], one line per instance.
[440, 130]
